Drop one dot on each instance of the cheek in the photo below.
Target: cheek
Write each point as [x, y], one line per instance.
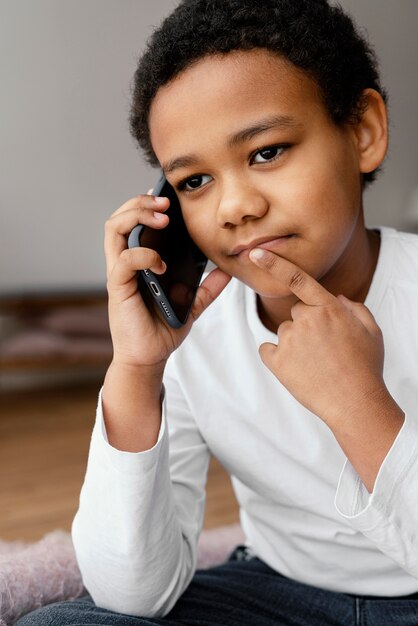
[201, 230]
[325, 182]
[327, 209]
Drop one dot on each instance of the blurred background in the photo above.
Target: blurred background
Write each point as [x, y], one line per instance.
[67, 162]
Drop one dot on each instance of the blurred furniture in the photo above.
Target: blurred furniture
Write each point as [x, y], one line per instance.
[54, 331]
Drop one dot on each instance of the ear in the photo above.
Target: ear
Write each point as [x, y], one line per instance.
[372, 132]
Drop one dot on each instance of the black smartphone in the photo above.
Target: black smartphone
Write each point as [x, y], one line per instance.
[173, 292]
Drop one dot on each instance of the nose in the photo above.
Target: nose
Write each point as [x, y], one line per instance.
[240, 202]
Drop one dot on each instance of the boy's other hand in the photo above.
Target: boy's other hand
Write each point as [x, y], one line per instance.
[330, 355]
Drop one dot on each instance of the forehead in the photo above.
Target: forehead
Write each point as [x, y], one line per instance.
[219, 94]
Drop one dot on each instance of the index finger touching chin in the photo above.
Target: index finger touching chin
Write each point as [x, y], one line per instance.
[304, 286]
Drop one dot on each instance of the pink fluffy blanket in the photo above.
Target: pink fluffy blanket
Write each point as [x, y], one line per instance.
[32, 575]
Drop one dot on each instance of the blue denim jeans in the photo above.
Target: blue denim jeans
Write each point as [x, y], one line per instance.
[244, 591]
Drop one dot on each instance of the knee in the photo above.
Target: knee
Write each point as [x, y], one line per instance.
[45, 615]
[57, 614]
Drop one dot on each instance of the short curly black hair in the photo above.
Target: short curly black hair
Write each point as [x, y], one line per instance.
[314, 35]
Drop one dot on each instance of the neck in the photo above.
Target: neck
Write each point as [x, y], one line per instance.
[351, 276]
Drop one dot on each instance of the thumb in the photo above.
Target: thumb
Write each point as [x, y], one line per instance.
[208, 291]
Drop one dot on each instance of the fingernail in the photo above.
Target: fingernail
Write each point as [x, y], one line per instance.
[159, 216]
[159, 200]
[257, 254]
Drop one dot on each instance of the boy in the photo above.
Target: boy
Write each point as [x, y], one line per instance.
[269, 120]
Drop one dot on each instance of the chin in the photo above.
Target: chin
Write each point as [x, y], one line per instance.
[266, 286]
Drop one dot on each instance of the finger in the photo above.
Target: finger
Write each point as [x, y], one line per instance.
[208, 291]
[283, 328]
[130, 261]
[304, 286]
[361, 312]
[145, 201]
[298, 310]
[267, 353]
[120, 225]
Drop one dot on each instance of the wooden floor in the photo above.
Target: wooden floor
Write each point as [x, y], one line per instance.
[44, 439]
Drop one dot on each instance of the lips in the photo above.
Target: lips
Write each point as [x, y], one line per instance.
[263, 242]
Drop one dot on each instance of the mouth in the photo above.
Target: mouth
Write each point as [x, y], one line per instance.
[268, 243]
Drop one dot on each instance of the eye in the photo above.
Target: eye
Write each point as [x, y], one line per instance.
[194, 182]
[270, 153]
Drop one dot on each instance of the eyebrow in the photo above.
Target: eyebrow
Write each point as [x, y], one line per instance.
[243, 135]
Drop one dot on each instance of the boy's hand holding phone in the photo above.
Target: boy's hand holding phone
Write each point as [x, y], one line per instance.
[142, 341]
[330, 358]
[172, 293]
[140, 336]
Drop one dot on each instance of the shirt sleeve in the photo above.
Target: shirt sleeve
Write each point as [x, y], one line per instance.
[140, 514]
[389, 515]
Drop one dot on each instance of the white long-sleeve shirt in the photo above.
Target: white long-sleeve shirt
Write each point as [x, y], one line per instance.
[303, 508]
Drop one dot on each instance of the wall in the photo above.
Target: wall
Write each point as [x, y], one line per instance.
[391, 26]
[67, 160]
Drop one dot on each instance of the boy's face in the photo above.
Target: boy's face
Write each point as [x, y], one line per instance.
[262, 162]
